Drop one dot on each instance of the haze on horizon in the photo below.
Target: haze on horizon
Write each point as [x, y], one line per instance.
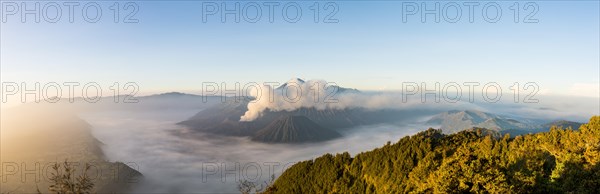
[174, 90]
[370, 48]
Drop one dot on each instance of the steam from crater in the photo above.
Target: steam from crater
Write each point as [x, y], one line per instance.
[290, 96]
[321, 95]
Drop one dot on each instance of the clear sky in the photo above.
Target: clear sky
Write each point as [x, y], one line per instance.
[369, 48]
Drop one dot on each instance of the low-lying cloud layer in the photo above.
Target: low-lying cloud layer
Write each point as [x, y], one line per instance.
[174, 160]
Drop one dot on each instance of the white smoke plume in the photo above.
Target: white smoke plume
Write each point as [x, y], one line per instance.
[321, 95]
[292, 95]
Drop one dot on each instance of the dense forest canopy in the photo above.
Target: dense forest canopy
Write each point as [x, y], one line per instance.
[475, 160]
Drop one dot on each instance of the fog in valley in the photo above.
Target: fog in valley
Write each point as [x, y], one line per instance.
[174, 159]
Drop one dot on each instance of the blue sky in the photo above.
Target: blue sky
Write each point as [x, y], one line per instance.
[370, 48]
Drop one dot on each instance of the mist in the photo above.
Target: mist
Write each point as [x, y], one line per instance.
[174, 159]
[320, 95]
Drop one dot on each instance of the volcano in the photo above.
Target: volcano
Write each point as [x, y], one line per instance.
[305, 124]
[294, 129]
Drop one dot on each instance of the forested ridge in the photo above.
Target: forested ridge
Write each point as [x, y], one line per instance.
[476, 160]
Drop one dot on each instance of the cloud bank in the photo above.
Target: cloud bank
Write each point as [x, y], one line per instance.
[320, 94]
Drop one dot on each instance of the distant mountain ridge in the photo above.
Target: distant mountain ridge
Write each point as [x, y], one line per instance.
[454, 121]
[457, 120]
[332, 87]
[562, 123]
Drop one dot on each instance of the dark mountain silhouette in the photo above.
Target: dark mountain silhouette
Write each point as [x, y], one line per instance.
[294, 129]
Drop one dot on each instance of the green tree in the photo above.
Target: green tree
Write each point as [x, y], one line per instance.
[475, 161]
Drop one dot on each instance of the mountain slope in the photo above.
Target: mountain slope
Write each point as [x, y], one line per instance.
[294, 129]
[36, 137]
[562, 123]
[454, 121]
[558, 161]
[223, 118]
[332, 88]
